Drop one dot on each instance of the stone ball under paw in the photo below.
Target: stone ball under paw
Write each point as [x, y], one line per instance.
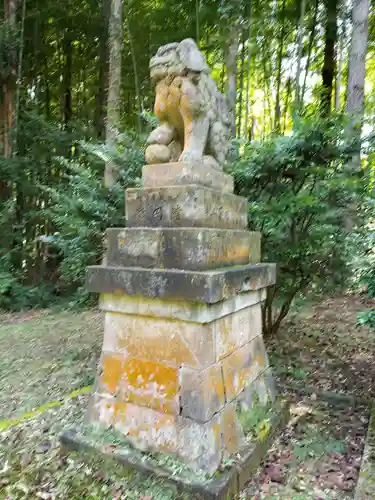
[157, 153]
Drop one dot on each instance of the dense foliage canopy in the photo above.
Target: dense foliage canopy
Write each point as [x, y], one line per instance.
[295, 65]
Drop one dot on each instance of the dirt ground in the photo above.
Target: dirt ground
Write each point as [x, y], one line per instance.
[47, 357]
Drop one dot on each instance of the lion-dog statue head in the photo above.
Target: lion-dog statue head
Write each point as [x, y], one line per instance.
[194, 118]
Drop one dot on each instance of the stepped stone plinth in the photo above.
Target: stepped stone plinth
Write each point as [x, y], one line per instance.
[182, 289]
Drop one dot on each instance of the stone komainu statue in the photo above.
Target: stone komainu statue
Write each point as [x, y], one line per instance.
[195, 121]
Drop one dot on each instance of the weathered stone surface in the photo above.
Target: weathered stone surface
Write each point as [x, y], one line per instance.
[242, 367]
[157, 153]
[199, 286]
[220, 487]
[200, 445]
[112, 365]
[261, 391]
[102, 409]
[188, 102]
[188, 248]
[201, 393]
[150, 384]
[237, 329]
[162, 135]
[145, 428]
[156, 339]
[231, 430]
[197, 444]
[179, 309]
[185, 206]
[182, 174]
[145, 383]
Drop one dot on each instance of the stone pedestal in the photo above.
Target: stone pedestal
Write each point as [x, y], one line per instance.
[182, 290]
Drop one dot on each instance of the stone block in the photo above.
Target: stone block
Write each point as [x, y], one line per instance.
[198, 286]
[185, 206]
[261, 391]
[231, 430]
[197, 444]
[188, 248]
[237, 329]
[242, 367]
[145, 428]
[112, 369]
[102, 410]
[260, 353]
[223, 486]
[170, 342]
[200, 444]
[201, 392]
[150, 384]
[179, 173]
[179, 309]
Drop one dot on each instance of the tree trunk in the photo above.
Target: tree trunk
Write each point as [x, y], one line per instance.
[247, 111]
[101, 93]
[301, 25]
[19, 74]
[66, 104]
[309, 51]
[114, 87]
[138, 100]
[6, 109]
[241, 92]
[279, 66]
[339, 70]
[357, 57]
[328, 71]
[10, 18]
[231, 66]
[288, 98]
[197, 27]
[356, 78]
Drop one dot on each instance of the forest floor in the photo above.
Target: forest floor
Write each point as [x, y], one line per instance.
[48, 358]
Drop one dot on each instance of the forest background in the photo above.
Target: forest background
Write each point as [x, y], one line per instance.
[76, 107]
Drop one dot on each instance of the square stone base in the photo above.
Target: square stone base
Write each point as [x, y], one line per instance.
[182, 174]
[174, 384]
[225, 485]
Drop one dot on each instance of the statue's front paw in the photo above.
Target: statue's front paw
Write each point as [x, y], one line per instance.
[190, 156]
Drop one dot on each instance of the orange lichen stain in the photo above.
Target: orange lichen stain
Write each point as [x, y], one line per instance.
[217, 432]
[216, 382]
[150, 384]
[224, 337]
[112, 371]
[154, 339]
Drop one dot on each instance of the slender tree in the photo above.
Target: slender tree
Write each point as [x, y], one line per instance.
[231, 27]
[114, 86]
[279, 66]
[197, 26]
[357, 57]
[309, 50]
[340, 62]
[248, 72]
[329, 64]
[10, 20]
[301, 27]
[101, 92]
